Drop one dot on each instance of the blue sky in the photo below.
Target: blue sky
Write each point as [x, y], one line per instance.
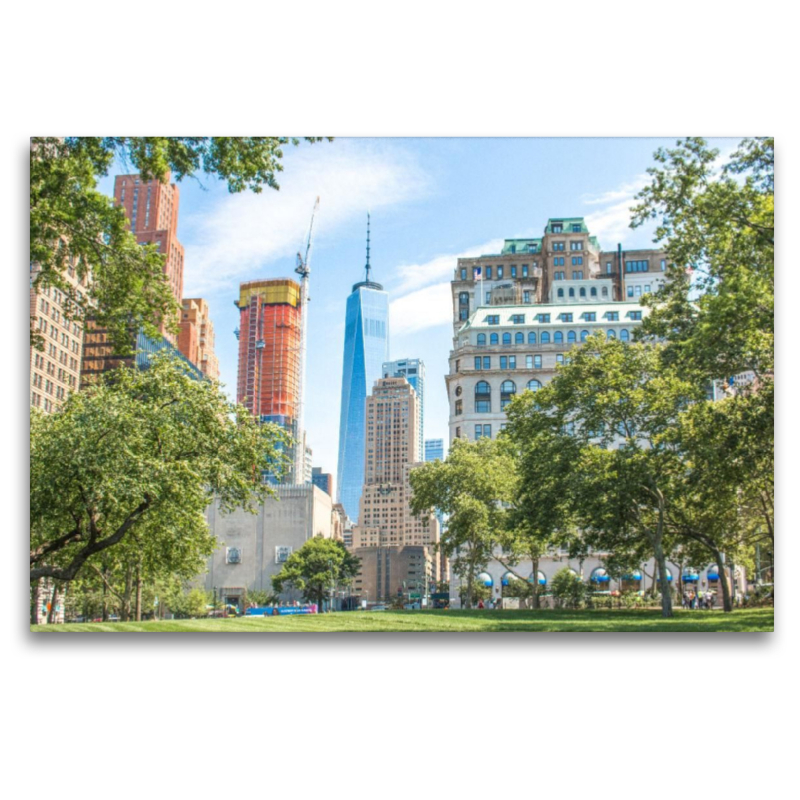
[431, 201]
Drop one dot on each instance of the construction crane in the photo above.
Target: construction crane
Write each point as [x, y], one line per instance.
[303, 269]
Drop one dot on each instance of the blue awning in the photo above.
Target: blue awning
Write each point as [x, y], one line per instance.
[542, 578]
[636, 575]
[690, 577]
[486, 579]
[599, 575]
[506, 579]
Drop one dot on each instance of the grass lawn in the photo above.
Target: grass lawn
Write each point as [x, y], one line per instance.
[740, 620]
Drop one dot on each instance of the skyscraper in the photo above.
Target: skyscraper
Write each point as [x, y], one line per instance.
[413, 370]
[434, 449]
[152, 209]
[196, 339]
[366, 347]
[269, 357]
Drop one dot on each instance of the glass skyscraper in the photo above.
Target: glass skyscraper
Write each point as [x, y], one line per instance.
[366, 348]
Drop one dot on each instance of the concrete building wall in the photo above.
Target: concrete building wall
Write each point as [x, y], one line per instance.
[384, 570]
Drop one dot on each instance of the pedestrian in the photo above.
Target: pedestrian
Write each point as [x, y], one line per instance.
[480, 604]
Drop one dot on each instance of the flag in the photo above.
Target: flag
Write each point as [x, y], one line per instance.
[477, 274]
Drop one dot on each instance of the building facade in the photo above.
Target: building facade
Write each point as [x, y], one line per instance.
[391, 573]
[268, 382]
[366, 348]
[196, 337]
[434, 449]
[413, 370]
[55, 370]
[324, 480]
[152, 210]
[517, 314]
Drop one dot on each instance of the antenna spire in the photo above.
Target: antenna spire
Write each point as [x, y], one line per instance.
[368, 247]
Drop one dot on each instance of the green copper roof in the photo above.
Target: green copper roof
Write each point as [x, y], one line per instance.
[521, 246]
[567, 223]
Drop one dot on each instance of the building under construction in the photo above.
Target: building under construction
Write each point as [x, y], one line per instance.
[270, 356]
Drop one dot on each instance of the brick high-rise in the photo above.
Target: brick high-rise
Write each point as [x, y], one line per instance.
[196, 338]
[269, 356]
[152, 209]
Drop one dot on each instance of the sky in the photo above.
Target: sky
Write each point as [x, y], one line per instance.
[431, 201]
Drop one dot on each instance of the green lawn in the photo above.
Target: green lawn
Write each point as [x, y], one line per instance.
[762, 619]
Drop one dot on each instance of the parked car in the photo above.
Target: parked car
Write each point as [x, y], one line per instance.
[411, 606]
[379, 607]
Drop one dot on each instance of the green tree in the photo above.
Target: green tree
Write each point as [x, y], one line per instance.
[568, 590]
[719, 223]
[73, 227]
[618, 402]
[129, 465]
[316, 568]
[472, 486]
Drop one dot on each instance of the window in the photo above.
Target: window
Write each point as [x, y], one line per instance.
[481, 340]
[459, 407]
[638, 291]
[577, 274]
[534, 385]
[560, 293]
[532, 337]
[559, 358]
[558, 246]
[610, 334]
[577, 261]
[458, 433]
[571, 337]
[576, 227]
[499, 272]
[524, 270]
[508, 362]
[571, 292]
[558, 337]
[513, 271]
[528, 362]
[584, 335]
[478, 362]
[506, 338]
[558, 261]
[593, 291]
[590, 316]
[537, 362]
[463, 298]
[630, 291]
[582, 291]
[463, 273]
[635, 314]
[493, 319]
[556, 227]
[637, 266]
[608, 268]
[517, 319]
[488, 273]
[487, 362]
[576, 245]
[646, 289]
[613, 316]
[545, 337]
[624, 336]
[543, 317]
[663, 265]
[519, 337]
[559, 276]
[483, 398]
[526, 297]
[488, 298]
[483, 431]
[604, 291]
[507, 391]
[494, 339]
[463, 313]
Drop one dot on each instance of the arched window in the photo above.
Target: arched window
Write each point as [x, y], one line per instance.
[593, 291]
[507, 391]
[604, 291]
[494, 338]
[545, 337]
[571, 292]
[571, 337]
[463, 298]
[560, 293]
[584, 335]
[532, 337]
[506, 338]
[534, 385]
[481, 340]
[558, 337]
[610, 334]
[624, 336]
[582, 291]
[519, 337]
[483, 397]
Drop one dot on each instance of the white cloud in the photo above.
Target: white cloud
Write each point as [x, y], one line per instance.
[610, 224]
[242, 233]
[424, 308]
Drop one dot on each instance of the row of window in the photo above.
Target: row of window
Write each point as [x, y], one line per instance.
[488, 273]
[557, 338]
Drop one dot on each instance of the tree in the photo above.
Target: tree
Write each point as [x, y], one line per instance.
[719, 320]
[471, 486]
[568, 590]
[128, 466]
[318, 566]
[618, 402]
[75, 227]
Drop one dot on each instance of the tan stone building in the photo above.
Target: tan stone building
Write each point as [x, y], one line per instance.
[196, 337]
[55, 370]
[391, 573]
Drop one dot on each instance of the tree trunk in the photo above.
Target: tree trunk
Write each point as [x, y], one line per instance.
[34, 601]
[51, 614]
[138, 593]
[125, 610]
[535, 599]
[666, 596]
[727, 604]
